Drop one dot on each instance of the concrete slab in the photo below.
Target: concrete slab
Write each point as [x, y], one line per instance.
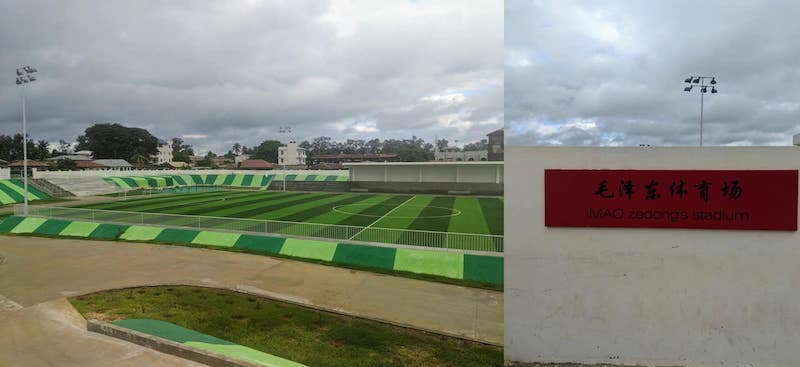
[74, 267]
[54, 334]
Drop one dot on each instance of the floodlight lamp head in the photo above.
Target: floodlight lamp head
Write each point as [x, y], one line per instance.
[703, 89]
[32, 78]
[688, 80]
[713, 90]
[19, 72]
[687, 89]
[19, 81]
[713, 80]
[696, 80]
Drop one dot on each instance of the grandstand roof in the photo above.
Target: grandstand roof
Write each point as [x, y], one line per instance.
[89, 164]
[31, 163]
[113, 163]
[256, 164]
[72, 157]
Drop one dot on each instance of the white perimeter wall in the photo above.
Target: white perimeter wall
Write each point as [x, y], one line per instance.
[456, 172]
[646, 296]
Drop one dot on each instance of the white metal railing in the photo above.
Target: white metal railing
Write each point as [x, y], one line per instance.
[432, 239]
[142, 173]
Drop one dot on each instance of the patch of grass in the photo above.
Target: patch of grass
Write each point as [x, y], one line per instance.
[307, 336]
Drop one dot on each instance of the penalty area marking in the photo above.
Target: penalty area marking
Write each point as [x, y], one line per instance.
[384, 216]
[453, 212]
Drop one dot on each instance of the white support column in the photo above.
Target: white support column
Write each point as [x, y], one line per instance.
[385, 174]
[420, 174]
[497, 174]
[458, 174]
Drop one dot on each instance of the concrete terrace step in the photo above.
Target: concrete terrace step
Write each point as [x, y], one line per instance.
[84, 186]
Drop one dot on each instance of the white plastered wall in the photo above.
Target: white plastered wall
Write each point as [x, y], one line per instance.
[646, 296]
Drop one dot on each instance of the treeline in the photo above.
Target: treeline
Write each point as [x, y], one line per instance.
[11, 148]
[407, 150]
[136, 145]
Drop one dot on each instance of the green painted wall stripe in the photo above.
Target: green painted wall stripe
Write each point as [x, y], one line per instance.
[9, 223]
[447, 264]
[108, 231]
[16, 191]
[222, 239]
[177, 235]
[179, 180]
[5, 198]
[219, 180]
[247, 180]
[372, 256]
[309, 249]
[141, 233]
[130, 182]
[31, 190]
[260, 243]
[228, 181]
[28, 225]
[79, 229]
[487, 269]
[52, 227]
[237, 180]
[120, 182]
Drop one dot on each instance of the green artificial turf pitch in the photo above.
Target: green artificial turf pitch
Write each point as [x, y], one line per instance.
[475, 215]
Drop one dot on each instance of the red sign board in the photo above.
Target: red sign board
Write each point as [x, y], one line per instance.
[709, 199]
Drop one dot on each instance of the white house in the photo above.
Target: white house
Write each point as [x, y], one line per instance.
[164, 154]
[291, 154]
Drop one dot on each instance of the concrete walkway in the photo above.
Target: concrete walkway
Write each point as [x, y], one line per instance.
[54, 334]
[40, 269]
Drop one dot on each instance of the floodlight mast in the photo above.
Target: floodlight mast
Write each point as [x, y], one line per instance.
[691, 80]
[25, 76]
[285, 130]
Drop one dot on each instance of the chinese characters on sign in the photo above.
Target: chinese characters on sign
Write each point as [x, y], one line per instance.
[676, 188]
[712, 199]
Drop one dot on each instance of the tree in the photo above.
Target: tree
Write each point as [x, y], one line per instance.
[181, 152]
[117, 141]
[267, 150]
[208, 160]
[64, 164]
[237, 148]
[441, 144]
[11, 148]
[476, 146]
[64, 147]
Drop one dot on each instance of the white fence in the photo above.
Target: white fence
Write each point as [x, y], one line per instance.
[445, 240]
[126, 173]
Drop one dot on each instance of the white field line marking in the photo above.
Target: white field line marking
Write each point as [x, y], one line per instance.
[384, 216]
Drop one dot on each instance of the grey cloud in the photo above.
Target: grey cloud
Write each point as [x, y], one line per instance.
[236, 70]
[621, 64]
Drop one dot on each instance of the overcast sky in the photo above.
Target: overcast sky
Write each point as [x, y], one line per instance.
[219, 72]
[611, 72]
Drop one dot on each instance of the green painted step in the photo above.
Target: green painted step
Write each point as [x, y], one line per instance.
[178, 334]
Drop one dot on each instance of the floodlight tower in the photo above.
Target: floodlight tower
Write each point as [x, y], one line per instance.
[286, 131]
[701, 81]
[25, 76]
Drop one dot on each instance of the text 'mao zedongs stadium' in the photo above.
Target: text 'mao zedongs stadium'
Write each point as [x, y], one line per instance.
[700, 199]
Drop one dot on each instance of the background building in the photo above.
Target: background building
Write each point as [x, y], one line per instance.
[453, 154]
[291, 154]
[164, 154]
[496, 145]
